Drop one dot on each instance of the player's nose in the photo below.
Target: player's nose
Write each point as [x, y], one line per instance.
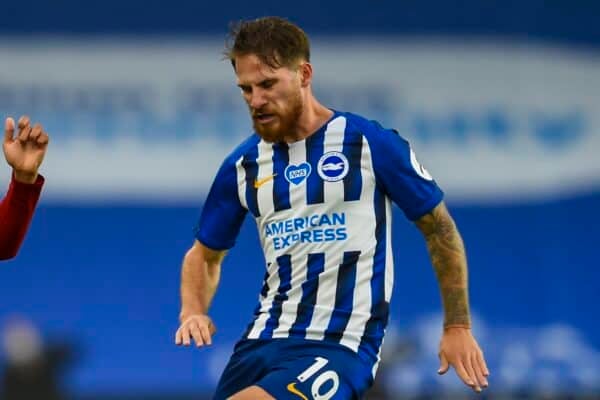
[257, 100]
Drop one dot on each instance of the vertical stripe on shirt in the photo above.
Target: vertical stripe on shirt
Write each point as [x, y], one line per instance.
[314, 183]
[379, 307]
[264, 191]
[281, 187]
[326, 290]
[334, 141]
[251, 168]
[241, 182]
[266, 303]
[315, 265]
[285, 277]
[344, 296]
[353, 180]
[297, 159]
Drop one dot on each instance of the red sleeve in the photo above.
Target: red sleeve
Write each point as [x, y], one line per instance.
[16, 211]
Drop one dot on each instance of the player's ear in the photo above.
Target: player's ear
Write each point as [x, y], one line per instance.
[306, 72]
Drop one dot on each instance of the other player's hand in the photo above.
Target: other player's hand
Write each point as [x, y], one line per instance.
[25, 151]
[459, 349]
[198, 327]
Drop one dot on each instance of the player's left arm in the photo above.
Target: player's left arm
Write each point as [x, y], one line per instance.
[458, 347]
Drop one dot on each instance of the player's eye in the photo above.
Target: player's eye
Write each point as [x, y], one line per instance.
[246, 89]
[267, 84]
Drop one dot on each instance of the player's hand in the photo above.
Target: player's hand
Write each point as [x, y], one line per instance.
[25, 151]
[459, 349]
[198, 327]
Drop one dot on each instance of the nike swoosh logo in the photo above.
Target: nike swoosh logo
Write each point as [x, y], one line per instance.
[292, 388]
[259, 182]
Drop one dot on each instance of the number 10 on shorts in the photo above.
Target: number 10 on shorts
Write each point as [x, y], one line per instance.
[319, 381]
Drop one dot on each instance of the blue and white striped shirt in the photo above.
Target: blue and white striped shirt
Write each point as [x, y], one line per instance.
[322, 207]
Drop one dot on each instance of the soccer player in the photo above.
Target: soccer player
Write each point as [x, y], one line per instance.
[319, 183]
[24, 153]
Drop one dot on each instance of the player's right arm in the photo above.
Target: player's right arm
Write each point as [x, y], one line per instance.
[216, 232]
[24, 152]
[200, 275]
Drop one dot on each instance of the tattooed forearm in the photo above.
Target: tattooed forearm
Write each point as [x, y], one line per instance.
[447, 254]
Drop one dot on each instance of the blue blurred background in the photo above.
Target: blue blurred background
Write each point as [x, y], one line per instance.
[501, 101]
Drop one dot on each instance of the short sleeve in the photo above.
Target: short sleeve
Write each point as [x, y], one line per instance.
[403, 178]
[222, 214]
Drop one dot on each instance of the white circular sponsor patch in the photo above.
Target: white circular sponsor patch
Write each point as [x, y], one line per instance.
[419, 169]
[333, 166]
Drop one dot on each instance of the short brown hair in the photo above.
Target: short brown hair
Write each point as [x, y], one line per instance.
[276, 41]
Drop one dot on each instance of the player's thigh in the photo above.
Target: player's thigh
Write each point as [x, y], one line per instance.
[252, 393]
[326, 374]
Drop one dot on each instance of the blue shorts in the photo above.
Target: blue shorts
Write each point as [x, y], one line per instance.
[295, 369]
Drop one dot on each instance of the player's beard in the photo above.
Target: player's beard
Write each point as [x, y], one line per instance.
[285, 122]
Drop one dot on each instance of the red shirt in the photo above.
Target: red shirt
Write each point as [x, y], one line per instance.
[16, 211]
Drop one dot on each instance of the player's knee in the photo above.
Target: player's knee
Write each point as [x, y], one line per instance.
[252, 393]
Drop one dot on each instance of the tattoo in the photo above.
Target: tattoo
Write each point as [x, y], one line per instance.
[447, 254]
